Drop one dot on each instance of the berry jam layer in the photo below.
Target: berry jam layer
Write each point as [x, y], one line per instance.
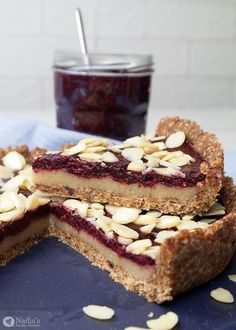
[118, 171]
[80, 224]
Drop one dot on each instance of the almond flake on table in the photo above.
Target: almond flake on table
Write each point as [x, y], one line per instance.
[165, 322]
[232, 277]
[99, 312]
[222, 295]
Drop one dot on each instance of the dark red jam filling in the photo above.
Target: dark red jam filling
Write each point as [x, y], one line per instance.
[112, 106]
[118, 170]
[17, 226]
[79, 223]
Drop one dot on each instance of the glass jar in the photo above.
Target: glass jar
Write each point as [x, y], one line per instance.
[102, 94]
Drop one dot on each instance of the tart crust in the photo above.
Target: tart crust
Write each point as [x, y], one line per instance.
[201, 198]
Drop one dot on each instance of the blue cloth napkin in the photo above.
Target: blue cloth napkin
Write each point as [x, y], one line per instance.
[37, 134]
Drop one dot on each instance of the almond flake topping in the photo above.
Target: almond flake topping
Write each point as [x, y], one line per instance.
[105, 223]
[109, 157]
[147, 229]
[136, 166]
[99, 312]
[189, 225]
[222, 295]
[5, 172]
[75, 149]
[164, 234]
[132, 153]
[168, 221]
[14, 160]
[124, 231]
[152, 251]
[146, 219]
[139, 246]
[165, 322]
[232, 277]
[175, 140]
[125, 215]
[124, 241]
[80, 207]
[11, 215]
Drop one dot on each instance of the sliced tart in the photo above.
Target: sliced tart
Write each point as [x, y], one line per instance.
[156, 255]
[179, 170]
[24, 217]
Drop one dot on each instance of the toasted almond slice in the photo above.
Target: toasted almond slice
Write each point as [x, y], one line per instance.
[99, 312]
[105, 223]
[11, 215]
[14, 160]
[165, 322]
[168, 221]
[136, 166]
[232, 277]
[166, 171]
[152, 251]
[14, 183]
[222, 295]
[146, 219]
[124, 231]
[159, 145]
[154, 213]
[187, 217]
[75, 149]
[138, 246]
[207, 220]
[80, 207]
[160, 154]
[109, 157]
[134, 141]
[18, 200]
[94, 142]
[152, 161]
[6, 202]
[164, 234]
[179, 160]
[114, 148]
[97, 206]
[158, 138]
[169, 165]
[124, 241]
[147, 229]
[5, 172]
[95, 150]
[216, 209]
[89, 156]
[94, 213]
[175, 140]
[125, 215]
[132, 153]
[189, 225]
[111, 208]
[32, 202]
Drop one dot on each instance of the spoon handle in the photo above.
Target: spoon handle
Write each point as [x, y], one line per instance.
[80, 28]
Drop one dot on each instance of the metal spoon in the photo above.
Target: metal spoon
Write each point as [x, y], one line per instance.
[82, 39]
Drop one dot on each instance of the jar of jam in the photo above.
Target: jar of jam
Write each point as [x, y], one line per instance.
[102, 94]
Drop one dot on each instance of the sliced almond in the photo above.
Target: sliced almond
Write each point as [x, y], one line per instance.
[5, 172]
[160, 154]
[109, 157]
[216, 209]
[207, 220]
[164, 234]
[124, 241]
[232, 277]
[14, 160]
[152, 251]
[159, 145]
[80, 207]
[179, 160]
[11, 215]
[94, 213]
[125, 215]
[18, 200]
[187, 217]
[154, 213]
[132, 153]
[147, 229]
[158, 138]
[89, 156]
[175, 140]
[6, 202]
[146, 219]
[138, 246]
[152, 161]
[165, 322]
[99, 312]
[94, 142]
[166, 171]
[75, 149]
[169, 165]
[105, 223]
[97, 206]
[134, 141]
[136, 166]
[32, 202]
[111, 208]
[222, 295]
[190, 225]
[168, 221]
[14, 183]
[124, 231]
[95, 150]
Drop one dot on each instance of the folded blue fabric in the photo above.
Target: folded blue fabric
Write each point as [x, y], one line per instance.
[36, 134]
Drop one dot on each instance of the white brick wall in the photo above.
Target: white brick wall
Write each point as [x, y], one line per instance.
[193, 43]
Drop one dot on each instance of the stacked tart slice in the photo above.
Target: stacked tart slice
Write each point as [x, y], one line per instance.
[154, 211]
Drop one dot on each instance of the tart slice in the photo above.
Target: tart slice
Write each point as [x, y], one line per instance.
[156, 255]
[24, 217]
[178, 170]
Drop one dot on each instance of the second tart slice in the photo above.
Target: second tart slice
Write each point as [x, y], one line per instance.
[178, 171]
